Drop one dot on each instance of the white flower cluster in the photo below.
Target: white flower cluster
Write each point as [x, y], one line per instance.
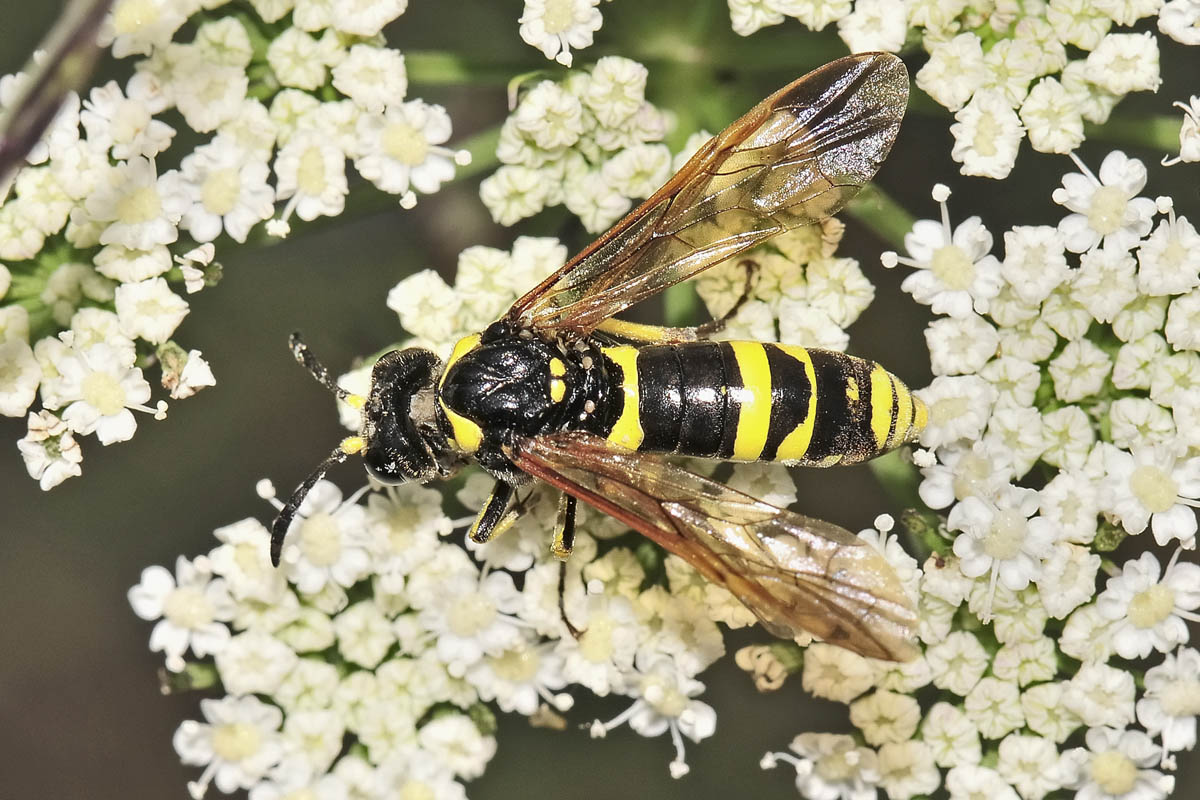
[555, 26]
[90, 231]
[1008, 69]
[800, 292]
[590, 142]
[1064, 419]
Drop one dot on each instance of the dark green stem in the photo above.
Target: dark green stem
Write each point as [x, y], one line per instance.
[1155, 132]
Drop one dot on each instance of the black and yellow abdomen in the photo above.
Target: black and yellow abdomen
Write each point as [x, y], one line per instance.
[752, 401]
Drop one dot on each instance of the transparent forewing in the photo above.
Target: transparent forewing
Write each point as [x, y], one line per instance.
[795, 573]
[792, 160]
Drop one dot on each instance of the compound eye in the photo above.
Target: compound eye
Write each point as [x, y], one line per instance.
[392, 465]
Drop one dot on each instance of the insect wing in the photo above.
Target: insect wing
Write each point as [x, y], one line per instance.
[792, 160]
[795, 573]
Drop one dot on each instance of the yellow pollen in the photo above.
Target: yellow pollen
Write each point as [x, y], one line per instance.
[320, 540]
[1107, 211]
[236, 741]
[516, 665]
[102, 391]
[140, 205]
[187, 607]
[1153, 488]
[951, 266]
[405, 143]
[1006, 535]
[1151, 606]
[310, 174]
[1114, 772]
[220, 191]
[558, 16]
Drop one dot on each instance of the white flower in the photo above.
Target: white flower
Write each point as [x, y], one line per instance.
[616, 91]
[1143, 316]
[313, 739]
[1150, 613]
[125, 125]
[1068, 577]
[960, 345]
[140, 208]
[50, 452]
[195, 375]
[907, 769]
[970, 781]
[311, 175]
[1133, 367]
[228, 189]
[236, 746]
[874, 25]
[955, 273]
[1189, 130]
[959, 408]
[254, 662]
[1079, 371]
[954, 71]
[597, 204]
[1101, 695]
[1115, 766]
[513, 193]
[1104, 283]
[1026, 662]
[401, 148]
[1106, 208]
[639, 170]
[139, 26]
[190, 607]
[472, 616]
[1151, 487]
[1179, 19]
[455, 741]
[1137, 421]
[1175, 378]
[1125, 62]
[952, 736]
[373, 77]
[415, 774]
[1183, 322]
[427, 307]
[521, 678]
[149, 310]
[986, 134]
[364, 634]
[99, 385]
[1172, 700]
[1087, 636]
[830, 766]
[327, 542]
[835, 673]
[1045, 713]
[1034, 263]
[602, 657]
[20, 375]
[999, 538]
[958, 662]
[555, 26]
[886, 717]
[1031, 765]
[208, 94]
[1053, 117]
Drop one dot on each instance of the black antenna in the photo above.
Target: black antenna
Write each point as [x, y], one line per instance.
[279, 527]
[315, 368]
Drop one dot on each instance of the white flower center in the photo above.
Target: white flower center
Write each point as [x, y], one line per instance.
[1152, 606]
[246, 557]
[1107, 211]
[405, 143]
[986, 134]
[1006, 535]
[310, 174]
[236, 741]
[1153, 488]
[948, 409]
[140, 205]
[838, 767]
[187, 607]
[320, 540]
[1181, 698]
[518, 665]
[416, 790]
[1114, 772]
[952, 267]
[130, 15]
[558, 16]
[665, 698]
[300, 794]
[129, 119]
[104, 393]
[971, 475]
[220, 190]
[471, 614]
[596, 643]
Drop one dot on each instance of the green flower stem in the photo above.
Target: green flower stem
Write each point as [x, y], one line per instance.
[681, 305]
[441, 68]
[790, 654]
[1159, 132]
[899, 479]
[196, 676]
[884, 216]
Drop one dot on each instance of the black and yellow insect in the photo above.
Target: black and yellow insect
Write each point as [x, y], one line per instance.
[559, 391]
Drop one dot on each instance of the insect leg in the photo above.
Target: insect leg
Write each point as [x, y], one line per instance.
[564, 529]
[562, 601]
[640, 333]
[492, 519]
[315, 368]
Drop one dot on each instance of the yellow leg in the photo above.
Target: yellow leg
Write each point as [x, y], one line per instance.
[495, 517]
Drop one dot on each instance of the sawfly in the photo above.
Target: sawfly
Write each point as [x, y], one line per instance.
[559, 391]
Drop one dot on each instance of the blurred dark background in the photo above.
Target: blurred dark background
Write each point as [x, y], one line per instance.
[80, 710]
